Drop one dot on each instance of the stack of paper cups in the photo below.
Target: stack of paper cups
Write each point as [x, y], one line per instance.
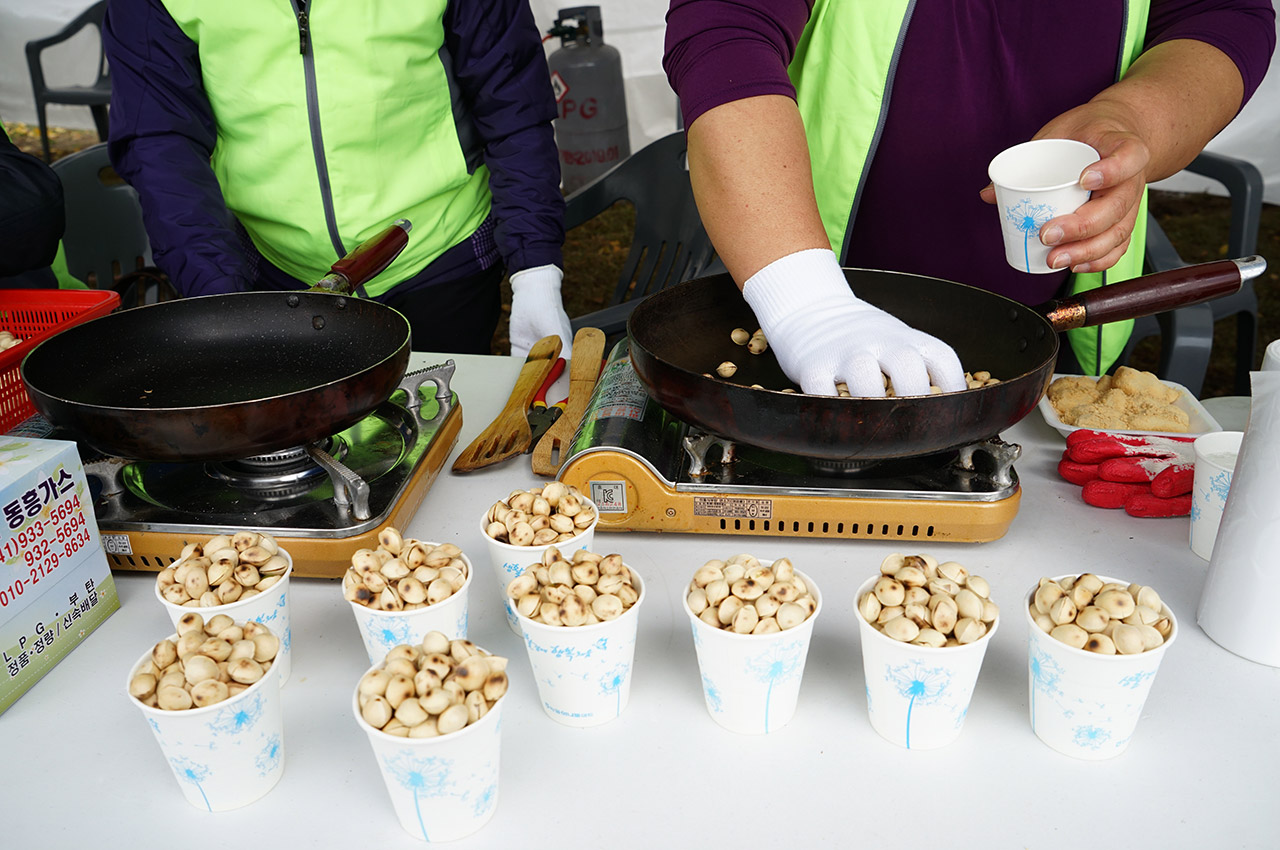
[1243, 574]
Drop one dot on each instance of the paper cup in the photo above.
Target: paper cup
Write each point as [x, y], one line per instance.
[583, 673]
[1037, 181]
[271, 608]
[509, 561]
[917, 696]
[441, 788]
[1215, 464]
[1271, 357]
[751, 683]
[382, 631]
[1084, 704]
[226, 755]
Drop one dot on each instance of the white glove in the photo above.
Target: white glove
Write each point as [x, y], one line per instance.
[822, 333]
[537, 311]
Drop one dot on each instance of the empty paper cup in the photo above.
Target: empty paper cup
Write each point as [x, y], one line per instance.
[583, 673]
[382, 631]
[751, 683]
[509, 560]
[1037, 181]
[918, 696]
[1084, 704]
[1271, 357]
[270, 607]
[224, 755]
[441, 788]
[1215, 464]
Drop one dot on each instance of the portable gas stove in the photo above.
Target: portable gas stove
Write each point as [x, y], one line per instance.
[321, 502]
[648, 471]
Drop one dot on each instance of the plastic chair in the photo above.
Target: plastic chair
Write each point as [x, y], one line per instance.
[669, 244]
[95, 96]
[1186, 334]
[105, 239]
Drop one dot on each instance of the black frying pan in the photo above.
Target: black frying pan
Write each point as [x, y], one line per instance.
[222, 377]
[682, 332]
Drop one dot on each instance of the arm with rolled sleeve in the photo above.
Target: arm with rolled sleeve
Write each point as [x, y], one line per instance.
[162, 136]
[500, 66]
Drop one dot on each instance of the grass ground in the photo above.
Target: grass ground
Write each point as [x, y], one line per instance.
[594, 255]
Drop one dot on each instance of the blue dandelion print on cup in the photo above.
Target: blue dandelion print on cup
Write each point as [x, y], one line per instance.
[611, 683]
[917, 684]
[424, 777]
[780, 663]
[236, 719]
[1090, 737]
[390, 633]
[1135, 681]
[712, 694]
[1195, 511]
[485, 800]
[1220, 485]
[193, 773]
[269, 759]
[1028, 218]
[1045, 676]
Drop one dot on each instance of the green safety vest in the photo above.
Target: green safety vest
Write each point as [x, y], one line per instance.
[381, 132]
[843, 73]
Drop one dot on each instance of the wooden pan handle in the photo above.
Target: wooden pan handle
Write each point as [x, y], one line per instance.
[1154, 293]
[367, 260]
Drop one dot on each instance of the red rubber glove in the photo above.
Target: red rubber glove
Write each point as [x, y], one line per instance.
[1147, 476]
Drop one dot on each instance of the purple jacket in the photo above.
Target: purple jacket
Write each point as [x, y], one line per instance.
[973, 78]
[163, 132]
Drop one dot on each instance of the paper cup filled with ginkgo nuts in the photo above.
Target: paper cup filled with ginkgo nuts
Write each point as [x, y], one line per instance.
[579, 615]
[1094, 646]
[406, 588]
[752, 623]
[433, 714]
[925, 628]
[243, 575]
[211, 695]
[520, 527]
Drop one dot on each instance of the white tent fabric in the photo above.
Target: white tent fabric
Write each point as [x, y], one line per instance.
[634, 27]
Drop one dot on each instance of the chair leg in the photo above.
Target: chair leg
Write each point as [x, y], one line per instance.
[1186, 341]
[100, 120]
[1246, 345]
[44, 131]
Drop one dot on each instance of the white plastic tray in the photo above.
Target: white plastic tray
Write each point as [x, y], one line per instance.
[1202, 422]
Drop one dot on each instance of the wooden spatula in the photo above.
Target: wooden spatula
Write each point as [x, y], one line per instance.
[584, 369]
[509, 435]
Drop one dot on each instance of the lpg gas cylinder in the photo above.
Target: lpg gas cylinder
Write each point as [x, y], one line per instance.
[586, 74]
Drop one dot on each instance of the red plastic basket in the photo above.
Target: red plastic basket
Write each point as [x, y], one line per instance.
[34, 315]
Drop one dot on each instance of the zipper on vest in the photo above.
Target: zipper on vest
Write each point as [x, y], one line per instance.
[313, 121]
[302, 27]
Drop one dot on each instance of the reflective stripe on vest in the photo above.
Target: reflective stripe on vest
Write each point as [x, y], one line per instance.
[843, 71]
[390, 142]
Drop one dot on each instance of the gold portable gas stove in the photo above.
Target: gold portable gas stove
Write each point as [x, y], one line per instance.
[321, 502]
[648, 471]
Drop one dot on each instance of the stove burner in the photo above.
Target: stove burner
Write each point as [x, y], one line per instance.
[827, 466]
[279, 475]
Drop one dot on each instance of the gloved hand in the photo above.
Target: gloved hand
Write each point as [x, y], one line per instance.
[537, 311]
[822, 333]
[1147, 476]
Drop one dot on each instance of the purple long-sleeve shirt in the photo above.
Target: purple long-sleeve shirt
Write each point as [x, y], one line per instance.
[973, 78]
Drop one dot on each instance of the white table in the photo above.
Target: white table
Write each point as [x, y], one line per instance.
[80, 766]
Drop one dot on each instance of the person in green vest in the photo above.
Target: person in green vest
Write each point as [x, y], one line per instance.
[267, 140]
[825, 133]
